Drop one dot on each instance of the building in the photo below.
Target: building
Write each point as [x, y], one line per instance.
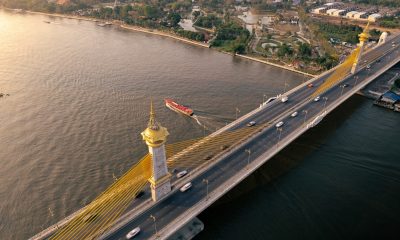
[374, 17]
[389, 100]
[351, 14]
[339, 13]
[319, 10]
[331, 11]
[360, 15]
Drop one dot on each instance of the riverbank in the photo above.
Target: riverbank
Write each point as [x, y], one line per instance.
[160, 33]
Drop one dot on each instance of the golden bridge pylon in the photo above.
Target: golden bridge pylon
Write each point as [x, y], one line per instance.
[348, 66]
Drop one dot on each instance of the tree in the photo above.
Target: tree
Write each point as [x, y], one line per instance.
[305, 50]
[174, 18]
[285, 50]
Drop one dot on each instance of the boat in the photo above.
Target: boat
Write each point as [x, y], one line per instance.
[177, 107]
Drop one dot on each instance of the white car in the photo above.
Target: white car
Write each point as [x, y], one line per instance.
[181, 174]
[284, 99]
[317, 99]
[186, 187]
[252, 123]
[294, 114]
[368, 66]
[279, 124]
[133, 233]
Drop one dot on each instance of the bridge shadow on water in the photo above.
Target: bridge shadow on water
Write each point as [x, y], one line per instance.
[289, 158]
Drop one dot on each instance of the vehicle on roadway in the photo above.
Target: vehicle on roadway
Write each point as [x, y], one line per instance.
[310, 85]
[345, 85]
[186, 187]
[368, 66]
[317, 99]
[252, 123]
[294, 114]
[279, 124]
[133, 233]
[284, 99]
[181, 174]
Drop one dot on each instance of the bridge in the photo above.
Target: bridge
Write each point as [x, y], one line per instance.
[220, 161]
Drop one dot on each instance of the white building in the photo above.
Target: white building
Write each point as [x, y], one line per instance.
[331, 11]
[360, 15]
[374, 17]
[351, 14]
[340, 12]
[319, 10]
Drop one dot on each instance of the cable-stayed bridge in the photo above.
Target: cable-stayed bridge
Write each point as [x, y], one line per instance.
[218, 162]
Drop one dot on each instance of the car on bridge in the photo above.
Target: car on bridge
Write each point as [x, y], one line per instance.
[294, 114]
[252, 123]
[133, 233]
[186, 187]
[284, 99]
[181, 174]
[279, 124]
[317, 99]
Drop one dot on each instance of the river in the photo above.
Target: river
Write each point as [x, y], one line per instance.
[79, 96]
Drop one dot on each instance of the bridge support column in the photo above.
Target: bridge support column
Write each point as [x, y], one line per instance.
[155, 137]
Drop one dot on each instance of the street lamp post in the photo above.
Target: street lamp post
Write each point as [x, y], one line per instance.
[264, 97]
[305, 115]
[326, 99]
[286, 85]
[356, 77]
[237, 111]
[279, 137]
[206, 182]
[341, 92]
[248, 157]
[155, 225]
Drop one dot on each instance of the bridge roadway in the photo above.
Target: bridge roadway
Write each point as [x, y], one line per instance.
[177, 203]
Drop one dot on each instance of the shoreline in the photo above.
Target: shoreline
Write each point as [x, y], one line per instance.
[163, 34]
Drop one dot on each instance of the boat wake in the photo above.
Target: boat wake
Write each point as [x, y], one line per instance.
[208, 123]
[197, 119]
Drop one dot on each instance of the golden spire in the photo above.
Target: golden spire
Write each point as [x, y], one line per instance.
[152, 122]
[154, 134]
